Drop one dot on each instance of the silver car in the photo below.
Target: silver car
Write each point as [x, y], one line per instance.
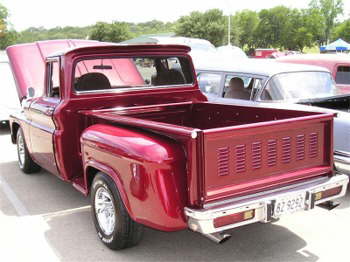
[272, 84]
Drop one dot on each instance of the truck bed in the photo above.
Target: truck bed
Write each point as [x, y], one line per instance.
[235, 150]
[206, 116]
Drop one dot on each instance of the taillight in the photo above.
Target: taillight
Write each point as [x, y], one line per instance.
[234, 218]
[328, 193]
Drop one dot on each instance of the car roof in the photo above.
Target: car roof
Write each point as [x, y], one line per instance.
[330, 58]
[263, 67]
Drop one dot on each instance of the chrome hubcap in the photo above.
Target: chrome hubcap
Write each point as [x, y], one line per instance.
[104, 210]
[20, 150]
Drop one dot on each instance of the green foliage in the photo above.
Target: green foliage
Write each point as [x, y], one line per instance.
[39, 33]
[235, 31]
[246, 22]
[151, 27]
[114, 32]
[7, 36]
[329, 10]
[210, 25]
[342, 30]
[273, 27]
[314, 22]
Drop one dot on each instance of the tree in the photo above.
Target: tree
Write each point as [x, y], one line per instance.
[315, 24]
[273, 28]
[114, 32]
[151, 27]
[297, 34]
[330, 9]
[247, 22]
[209, 25]
[7, 36]
[342, 31]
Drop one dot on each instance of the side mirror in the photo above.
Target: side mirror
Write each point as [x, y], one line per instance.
[31, 92]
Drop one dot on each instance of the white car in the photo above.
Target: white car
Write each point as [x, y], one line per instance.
[269, 83]
[9, 101]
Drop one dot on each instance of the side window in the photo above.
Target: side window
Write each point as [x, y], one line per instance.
[209, 83]
[266, 93]
[343, 75]
[239, 87]
[272, 92]
[53, 79]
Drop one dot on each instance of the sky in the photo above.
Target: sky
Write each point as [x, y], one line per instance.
[46, 13]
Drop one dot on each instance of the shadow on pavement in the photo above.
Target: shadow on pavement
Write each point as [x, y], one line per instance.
[258, 242]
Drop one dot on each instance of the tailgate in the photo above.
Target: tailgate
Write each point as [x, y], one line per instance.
[250, 158]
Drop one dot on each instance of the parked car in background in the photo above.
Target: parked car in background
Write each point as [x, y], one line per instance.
[337, 64]
[9, 102]
[231, 52]
[272, 53]
[264, 52]
[122, 125]
[202, 50]
[272, 84]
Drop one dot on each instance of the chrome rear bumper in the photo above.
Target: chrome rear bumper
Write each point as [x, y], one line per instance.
[202, 220]
[342, 162]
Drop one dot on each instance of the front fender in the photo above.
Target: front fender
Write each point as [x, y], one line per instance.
[148, 170]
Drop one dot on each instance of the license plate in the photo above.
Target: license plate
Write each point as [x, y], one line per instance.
[289, 204]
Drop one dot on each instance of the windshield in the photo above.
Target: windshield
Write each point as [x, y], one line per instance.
[299, 85]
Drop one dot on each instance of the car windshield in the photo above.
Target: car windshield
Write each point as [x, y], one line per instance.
[299, 86]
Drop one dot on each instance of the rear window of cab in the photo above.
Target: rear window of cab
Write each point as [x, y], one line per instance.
[137, 72]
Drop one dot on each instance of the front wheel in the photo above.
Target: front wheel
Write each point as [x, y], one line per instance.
[114, 226]
[25, 162]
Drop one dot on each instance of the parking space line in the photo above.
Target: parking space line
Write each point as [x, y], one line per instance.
[66, 212]
[12, 197]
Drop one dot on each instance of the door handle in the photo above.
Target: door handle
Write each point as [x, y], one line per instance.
[49, 111]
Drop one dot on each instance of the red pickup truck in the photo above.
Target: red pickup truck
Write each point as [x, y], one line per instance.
[128, 126]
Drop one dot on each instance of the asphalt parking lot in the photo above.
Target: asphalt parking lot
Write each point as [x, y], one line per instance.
[45, 219]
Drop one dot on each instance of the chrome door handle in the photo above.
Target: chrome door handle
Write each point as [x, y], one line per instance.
[49, 111]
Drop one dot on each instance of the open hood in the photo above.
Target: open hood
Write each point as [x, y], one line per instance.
[28, 61]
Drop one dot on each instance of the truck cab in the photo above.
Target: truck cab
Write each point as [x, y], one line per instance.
[128, 125]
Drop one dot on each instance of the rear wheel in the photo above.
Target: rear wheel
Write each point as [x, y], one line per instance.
[25, 162]
[114, 226]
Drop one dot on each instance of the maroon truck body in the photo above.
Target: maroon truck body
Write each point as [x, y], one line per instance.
[169, 152]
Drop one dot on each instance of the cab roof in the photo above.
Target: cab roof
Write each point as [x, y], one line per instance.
[262, 67]
[28, 60]
[103, 47]
[330, 58]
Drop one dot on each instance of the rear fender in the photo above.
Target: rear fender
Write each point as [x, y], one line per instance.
[88, 177]
[149, 172]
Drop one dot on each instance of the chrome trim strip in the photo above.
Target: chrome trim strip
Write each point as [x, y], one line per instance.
[129, 89]
[341, 153]
[202, 220]
[342, 161]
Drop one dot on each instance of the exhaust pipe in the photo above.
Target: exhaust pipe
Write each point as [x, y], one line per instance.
[329, 205]
[218, 238]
